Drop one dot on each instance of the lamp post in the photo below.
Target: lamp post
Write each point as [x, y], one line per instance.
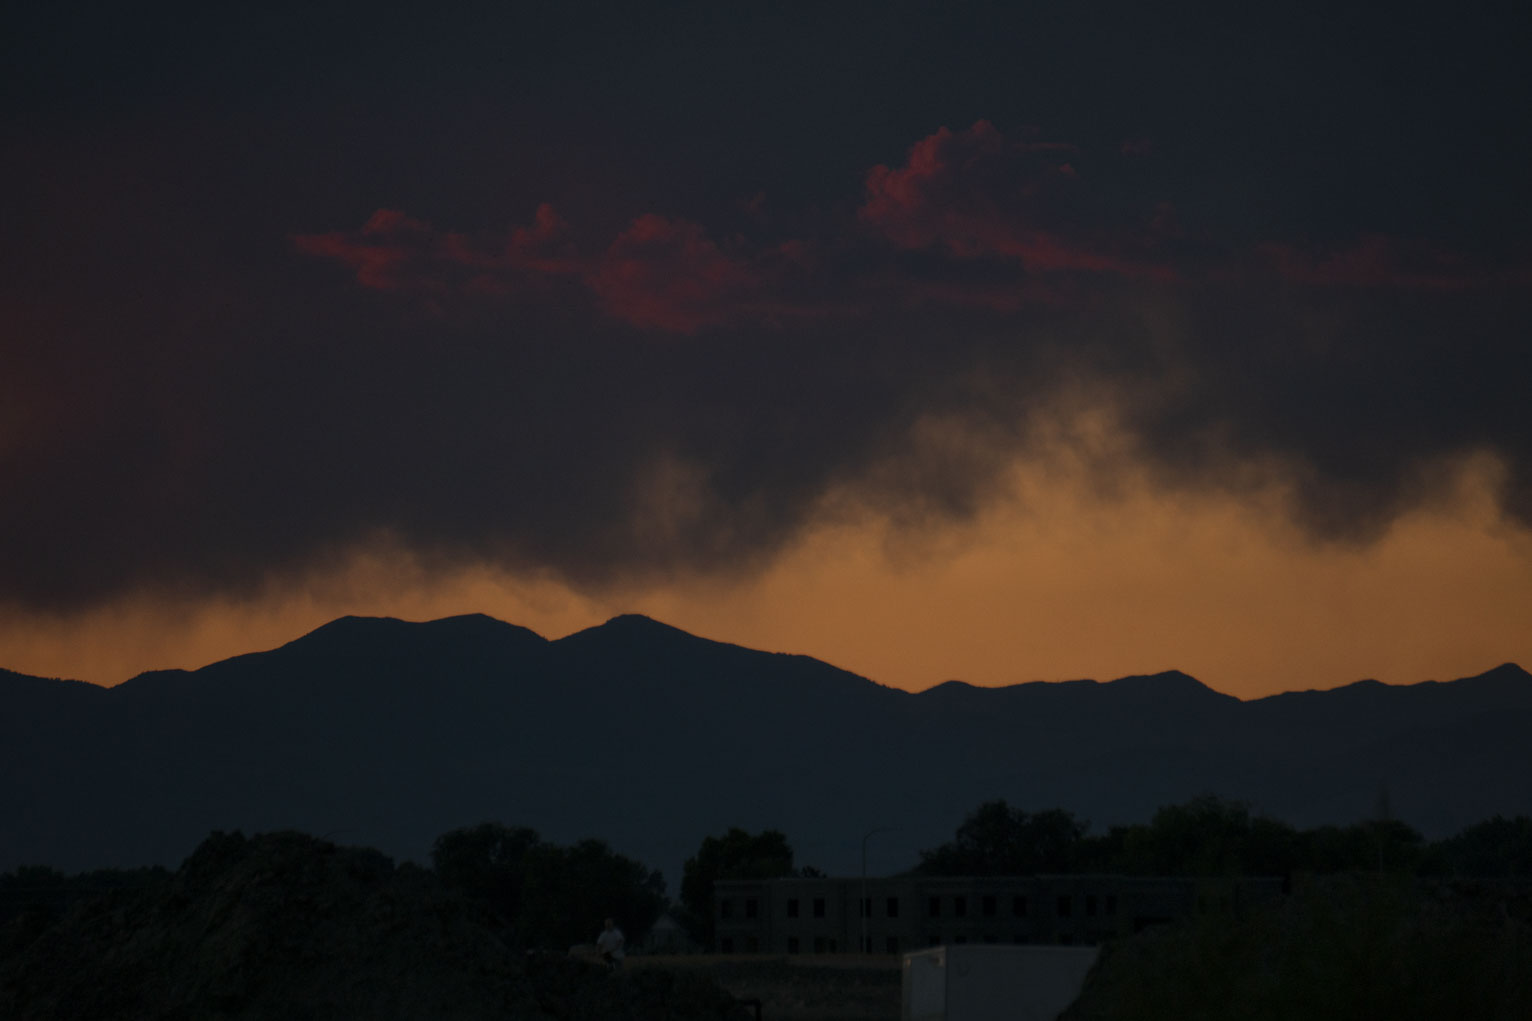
[865, 907]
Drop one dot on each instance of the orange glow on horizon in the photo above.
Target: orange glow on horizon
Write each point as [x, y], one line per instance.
[1054, 584]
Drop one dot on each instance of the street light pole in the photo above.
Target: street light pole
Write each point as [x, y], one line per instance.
[865, 907]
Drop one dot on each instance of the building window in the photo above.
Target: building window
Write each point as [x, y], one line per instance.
[960, 906]
[726, 945]
[1066, 907]
[792, 907]
[961, 939]
[989, 906]
[892, 945]
[1019, 906]
[726, 908]
[1090, 904]
[792, 944]
[892, 907]
[819, 907]
[935, 940]
[751, 906]
[753, 944]
[866, 907]
[989, 937]
[1111, 904]
[934, 907]
[819, 944]
[1066, 940]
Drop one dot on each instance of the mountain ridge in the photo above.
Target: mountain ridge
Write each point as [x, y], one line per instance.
[392, 732]
[625, 625]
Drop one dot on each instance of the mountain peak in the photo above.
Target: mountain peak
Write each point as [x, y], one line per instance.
[638, 624]
[351, 634]
[631, 627]
[343, 630]
[1163, 685]
[1171, 685]
[951, 689]
[1175, 678]
[1505, 672]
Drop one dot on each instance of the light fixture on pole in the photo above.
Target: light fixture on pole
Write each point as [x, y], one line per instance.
[865, 907]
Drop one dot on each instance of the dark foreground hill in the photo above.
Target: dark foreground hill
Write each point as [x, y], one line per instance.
[386, 733]
[284, 926]
[1353, 947]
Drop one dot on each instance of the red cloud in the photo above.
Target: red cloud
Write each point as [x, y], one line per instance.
[976, 194]
[660, 273]
[393, 251]
[972, 218]
[973, 194]
[388, 253]
[934, 199]
[543, 247]
[668, 275]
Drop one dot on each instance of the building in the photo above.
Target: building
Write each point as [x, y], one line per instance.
[667, 936]
[898, 914]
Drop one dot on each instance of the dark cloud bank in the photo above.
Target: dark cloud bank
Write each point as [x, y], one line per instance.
[249, 331]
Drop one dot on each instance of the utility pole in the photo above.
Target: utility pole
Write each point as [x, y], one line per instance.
[864, 908]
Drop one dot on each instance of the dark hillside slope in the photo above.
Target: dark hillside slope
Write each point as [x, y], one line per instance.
[286, 926]
[389, 733]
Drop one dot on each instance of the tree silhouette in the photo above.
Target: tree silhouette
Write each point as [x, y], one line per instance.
[549, 896]
[570, 890]
[488, 862]
[735, 855]
[1497, 848]
[998, 840]
[1209, 836]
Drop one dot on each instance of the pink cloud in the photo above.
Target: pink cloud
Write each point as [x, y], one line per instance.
[660, 273]
[973, 194]
[545, 246]
[667, 274]
[396, 252]
[387, 254]
[972, 218]
[976, 194]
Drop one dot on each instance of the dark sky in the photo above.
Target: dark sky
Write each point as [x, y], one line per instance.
[634, 303]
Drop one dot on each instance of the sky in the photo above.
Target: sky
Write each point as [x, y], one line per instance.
[985, 341]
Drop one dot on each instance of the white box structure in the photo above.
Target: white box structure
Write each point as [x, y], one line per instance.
[993, 983]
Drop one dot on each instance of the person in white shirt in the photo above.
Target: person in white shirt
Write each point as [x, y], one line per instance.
[610, 943]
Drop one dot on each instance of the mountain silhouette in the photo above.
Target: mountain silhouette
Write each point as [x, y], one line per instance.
[387, 733]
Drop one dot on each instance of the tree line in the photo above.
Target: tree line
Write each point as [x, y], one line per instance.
[551, 896]
[546, 895]
[1211, 836]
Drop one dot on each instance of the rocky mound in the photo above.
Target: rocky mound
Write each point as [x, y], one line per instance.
[287, 926]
